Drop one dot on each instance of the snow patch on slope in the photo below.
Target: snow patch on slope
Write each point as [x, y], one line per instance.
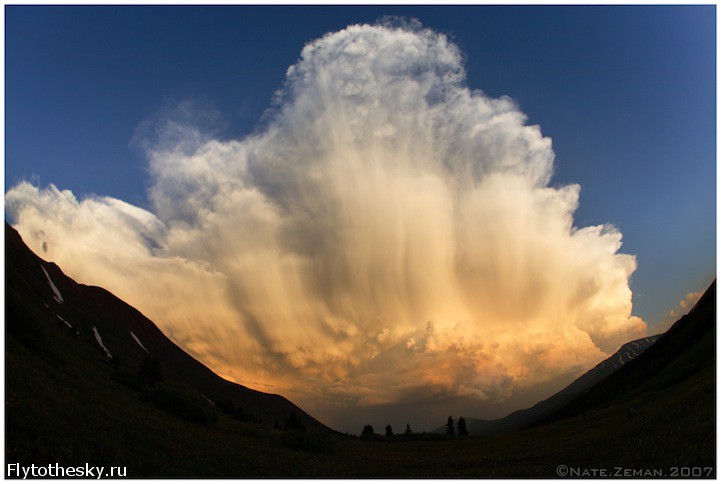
[629, 351]
[138, 341]
[99, 339]
[58, 297]
[66, 323]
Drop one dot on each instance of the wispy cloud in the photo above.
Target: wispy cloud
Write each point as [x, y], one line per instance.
[386, 234]
[682, 308]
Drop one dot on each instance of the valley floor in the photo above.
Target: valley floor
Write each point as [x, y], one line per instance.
[56, 412]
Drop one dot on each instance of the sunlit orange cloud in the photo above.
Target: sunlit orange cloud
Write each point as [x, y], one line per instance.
[683, 307]
[387, 233]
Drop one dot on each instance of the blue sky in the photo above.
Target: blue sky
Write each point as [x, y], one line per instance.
[626, 93]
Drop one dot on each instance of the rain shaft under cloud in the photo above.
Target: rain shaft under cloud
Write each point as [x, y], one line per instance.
[387, 233]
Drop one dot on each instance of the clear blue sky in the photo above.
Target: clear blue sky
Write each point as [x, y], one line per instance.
[626, 93]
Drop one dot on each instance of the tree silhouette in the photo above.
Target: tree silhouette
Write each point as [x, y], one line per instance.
[462, 426]
[450, 429]
[150, 369]
[367, 431]
[234, 410]
[294, 423]
[389, 431]
[408, 429]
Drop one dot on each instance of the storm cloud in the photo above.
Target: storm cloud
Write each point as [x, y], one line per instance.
[386, 235]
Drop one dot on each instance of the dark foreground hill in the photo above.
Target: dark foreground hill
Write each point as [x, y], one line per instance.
[686, 349]
[51, 314]
[522, 418]
[68, 402]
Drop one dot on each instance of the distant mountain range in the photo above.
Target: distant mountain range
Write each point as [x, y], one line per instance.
[522, 418]
[686, 350]
[106, 328]
[631, 367]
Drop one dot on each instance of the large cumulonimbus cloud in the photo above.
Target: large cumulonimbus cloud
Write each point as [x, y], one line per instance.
[387, 233]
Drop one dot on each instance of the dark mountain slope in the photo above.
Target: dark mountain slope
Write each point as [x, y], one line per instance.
[686, 349]
[82, 311]
[522, 418]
